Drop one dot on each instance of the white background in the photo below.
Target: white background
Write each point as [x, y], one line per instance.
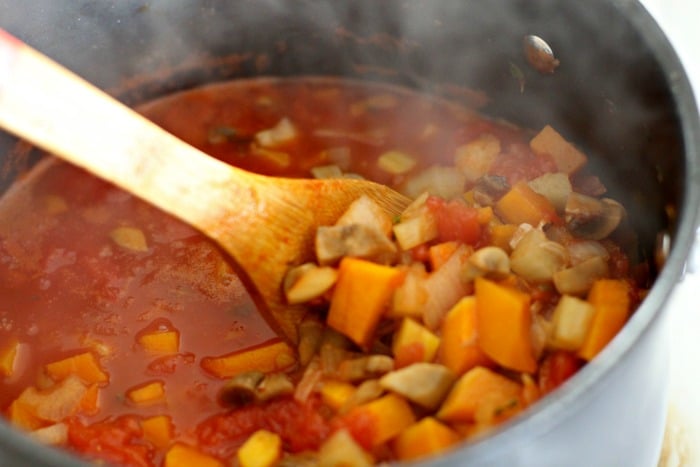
[680, 20]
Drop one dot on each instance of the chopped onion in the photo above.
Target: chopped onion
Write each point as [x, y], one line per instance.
[282, 133]
[571, 320]
[327, 171]
[446, 182]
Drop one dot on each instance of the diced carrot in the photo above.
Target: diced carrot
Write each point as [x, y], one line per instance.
[89, 404]
[182, 455]
[8, 357]
[262, 449]
[336, 393]
[567, 158]
[158, 430]
[385, 417]
[413, 343]
[481, 395]
[523, 205]
[275, 355]
[504, 325]
[425, 438]
[83, 365]
[149, 393]
[610, 299]
[459, 348]
[160, 342]
[360, 296]
[440, 253]
[23, 416]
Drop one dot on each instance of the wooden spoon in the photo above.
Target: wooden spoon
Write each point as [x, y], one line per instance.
[265, 223]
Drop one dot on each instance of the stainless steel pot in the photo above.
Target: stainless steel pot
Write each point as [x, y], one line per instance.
[620, 92]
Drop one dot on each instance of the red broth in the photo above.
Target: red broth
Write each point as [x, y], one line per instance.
[68, 287]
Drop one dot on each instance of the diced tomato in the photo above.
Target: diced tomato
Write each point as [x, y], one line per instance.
[556, 368]
[455, 220]
[115, 441]
[300, 426]
[361, 426]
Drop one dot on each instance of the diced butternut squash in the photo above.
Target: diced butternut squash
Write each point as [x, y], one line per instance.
[182, 455]
[389, 416]
[440, 253]
[610, 299]
[501, 234]
[504, 325]
[149, 393]
[425, 438]
[567, 158]
[523, 205]
[23, 416]
[83, 365]
[158, 430]
[482, 396]
[8, 356]
[459, 348]
[275, 355]
[89, 404]
[336, 393]
[160, 342]
[262, 449]
[413, 343]
[360, 296]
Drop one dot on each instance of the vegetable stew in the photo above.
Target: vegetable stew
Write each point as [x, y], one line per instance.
[128, 337]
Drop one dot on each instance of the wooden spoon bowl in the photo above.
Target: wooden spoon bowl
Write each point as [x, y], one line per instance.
[265, 223]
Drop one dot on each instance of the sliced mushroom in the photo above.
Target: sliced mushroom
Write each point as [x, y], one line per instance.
[536, 259]
[241, 389]
[490, 261]
[254, 386]
[365, 367]
[274, 385]
[489, 189]
[308, 281]
[592, 218]
[426, 384]
[356, 240]
[578, 280]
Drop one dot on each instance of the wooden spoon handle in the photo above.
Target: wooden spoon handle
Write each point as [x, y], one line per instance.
[60, 112]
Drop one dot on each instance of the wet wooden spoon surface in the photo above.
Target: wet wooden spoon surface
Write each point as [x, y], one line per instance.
[265, 223]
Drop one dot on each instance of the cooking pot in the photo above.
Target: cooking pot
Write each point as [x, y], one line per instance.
[619, 92]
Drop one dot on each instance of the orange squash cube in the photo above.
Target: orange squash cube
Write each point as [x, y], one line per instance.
[275, 355]
[504, 325]
[425, 438]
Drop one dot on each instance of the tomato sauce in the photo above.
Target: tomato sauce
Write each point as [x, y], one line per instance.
[86, 267]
